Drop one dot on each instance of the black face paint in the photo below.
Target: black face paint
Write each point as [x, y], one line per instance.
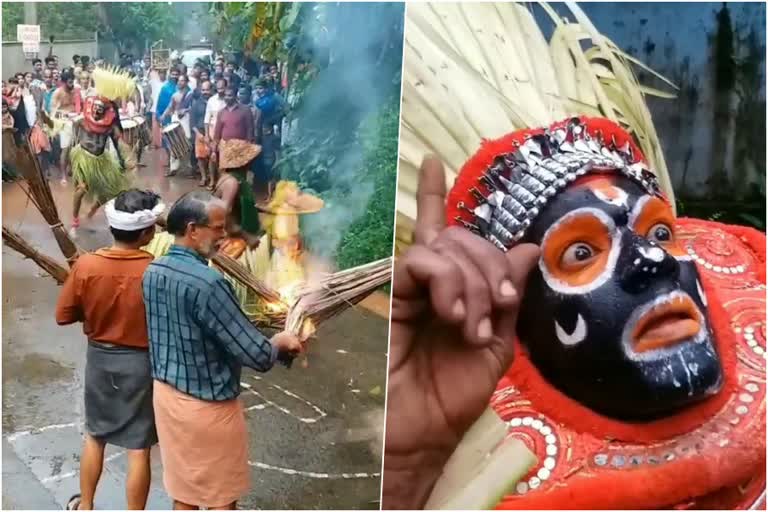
[582, 342]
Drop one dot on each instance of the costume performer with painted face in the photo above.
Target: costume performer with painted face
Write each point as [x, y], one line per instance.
[638, 374]
[99, 159]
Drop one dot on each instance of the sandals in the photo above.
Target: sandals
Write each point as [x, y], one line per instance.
[73, 503]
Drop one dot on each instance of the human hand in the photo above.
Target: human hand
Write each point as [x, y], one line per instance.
[454, 309]
[287, 343]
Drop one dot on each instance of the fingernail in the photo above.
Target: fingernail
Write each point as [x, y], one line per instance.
[507, 289]
[458, 309]
[485, 329]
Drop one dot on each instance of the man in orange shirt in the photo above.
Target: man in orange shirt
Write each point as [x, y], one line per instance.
[104, 292]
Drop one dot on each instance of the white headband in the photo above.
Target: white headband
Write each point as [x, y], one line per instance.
[135, 221]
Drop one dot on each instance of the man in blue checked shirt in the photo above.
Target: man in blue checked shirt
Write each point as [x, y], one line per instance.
[199, 339]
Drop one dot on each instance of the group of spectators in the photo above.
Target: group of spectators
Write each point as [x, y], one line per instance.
[193, 97]
[214, 102]
[51, 90]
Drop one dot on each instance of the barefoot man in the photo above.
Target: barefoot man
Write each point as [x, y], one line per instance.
[63, 108]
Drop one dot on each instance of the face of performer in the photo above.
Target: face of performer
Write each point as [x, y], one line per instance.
[206, 89]
[615, 315]
[207, 239]
[99, 109]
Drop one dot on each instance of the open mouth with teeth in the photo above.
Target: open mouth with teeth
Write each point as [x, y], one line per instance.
[666, 323]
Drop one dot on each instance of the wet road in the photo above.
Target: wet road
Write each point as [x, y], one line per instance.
[315, 433]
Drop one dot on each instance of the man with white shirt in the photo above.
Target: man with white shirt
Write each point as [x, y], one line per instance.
[156, 81]
[215, 104]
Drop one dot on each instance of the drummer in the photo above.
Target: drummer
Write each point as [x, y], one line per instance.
[63, 107]
[177, 110]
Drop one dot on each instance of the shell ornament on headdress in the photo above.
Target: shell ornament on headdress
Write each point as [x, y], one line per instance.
[499, 201]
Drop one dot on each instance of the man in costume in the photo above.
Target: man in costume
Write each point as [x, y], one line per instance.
[636, 371]
[118, 380]
[99, 170]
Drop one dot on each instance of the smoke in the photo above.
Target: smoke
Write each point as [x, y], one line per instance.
[360, 46]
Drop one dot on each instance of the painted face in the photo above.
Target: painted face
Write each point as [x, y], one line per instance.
[99, 109]
[615, 317]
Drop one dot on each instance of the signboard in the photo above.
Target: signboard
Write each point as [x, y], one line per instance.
[30, 47]
[28, 34]
[161, 59]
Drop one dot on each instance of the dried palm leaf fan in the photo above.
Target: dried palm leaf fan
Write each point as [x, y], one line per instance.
[475, 71]
[480, 71]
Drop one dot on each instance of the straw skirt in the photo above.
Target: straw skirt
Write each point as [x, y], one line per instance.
[204, 448]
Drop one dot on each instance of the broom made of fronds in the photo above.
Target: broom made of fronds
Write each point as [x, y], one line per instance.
[330, 295]
[39, 192]
[16, 242]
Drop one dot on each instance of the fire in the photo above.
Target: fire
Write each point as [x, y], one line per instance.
[307, 329]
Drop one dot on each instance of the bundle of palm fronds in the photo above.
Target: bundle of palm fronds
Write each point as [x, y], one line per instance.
[475, 71]
[39, 192]
[328, 296]
[18, 244]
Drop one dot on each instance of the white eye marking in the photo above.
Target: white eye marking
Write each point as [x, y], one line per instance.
[577, 336]
[654, 253]
[702, 295]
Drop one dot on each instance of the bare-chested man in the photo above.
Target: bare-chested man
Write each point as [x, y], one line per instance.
[95, 170]
[63, 107]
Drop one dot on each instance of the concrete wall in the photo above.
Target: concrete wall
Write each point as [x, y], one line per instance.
[14, 61]
[714, 141]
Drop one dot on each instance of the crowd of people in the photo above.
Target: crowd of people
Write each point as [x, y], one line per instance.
[213, 102]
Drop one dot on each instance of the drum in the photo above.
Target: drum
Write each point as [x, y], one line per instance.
[130, 131]
[177, 141]
[145, 137]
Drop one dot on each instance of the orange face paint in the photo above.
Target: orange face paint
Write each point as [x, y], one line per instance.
[560, 249]
[651, 214]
